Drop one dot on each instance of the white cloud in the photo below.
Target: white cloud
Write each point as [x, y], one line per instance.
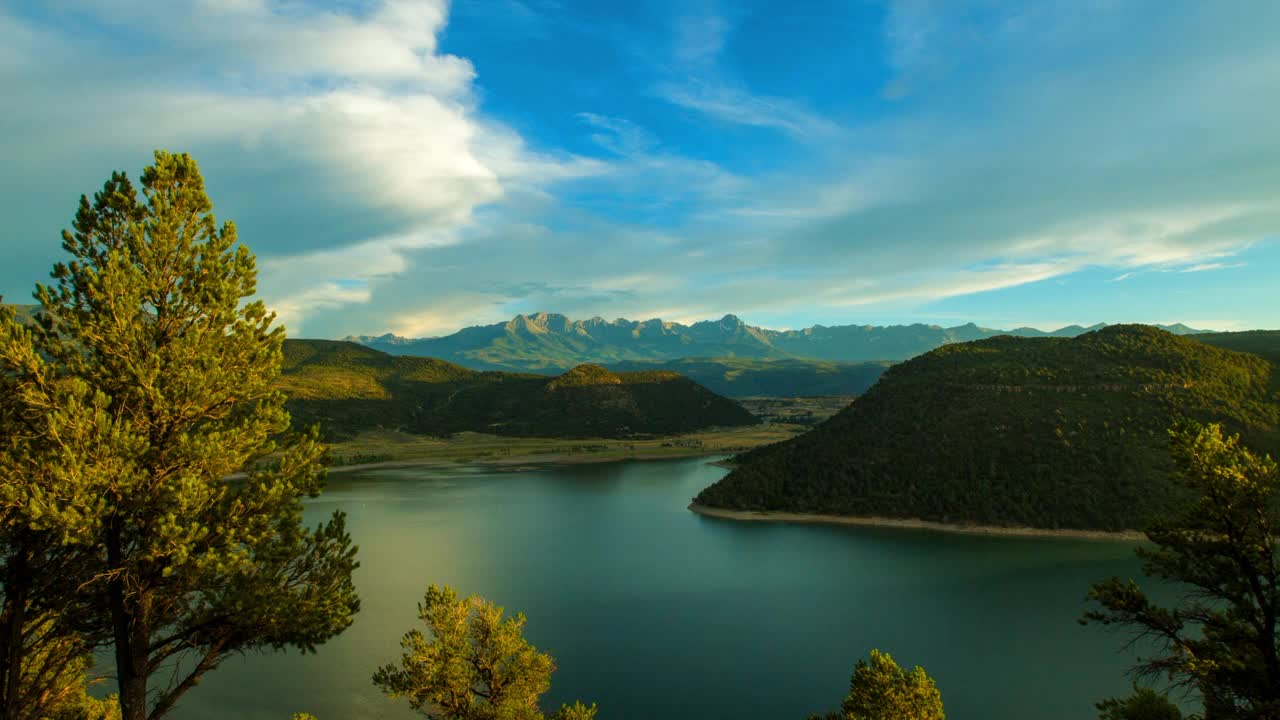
[451, 314]
[700, 38]
[315, 297]
[632, 281]
[1202, 267]
[916, 288]
[699, 83]
[257, 41]
[619, 135]
[302, 285]
[738, 106]
[645, 173]
[359, 108]
[1140, 237]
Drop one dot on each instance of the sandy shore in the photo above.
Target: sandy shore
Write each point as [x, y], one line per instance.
[757, 516]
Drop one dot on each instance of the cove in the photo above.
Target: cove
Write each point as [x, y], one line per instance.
[655, 612]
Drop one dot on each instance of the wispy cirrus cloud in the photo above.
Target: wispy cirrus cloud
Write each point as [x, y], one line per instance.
[736, 105]
[699, 82]
[643, 172]
[1203, 267]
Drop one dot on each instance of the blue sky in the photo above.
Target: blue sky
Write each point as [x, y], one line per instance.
[417, 166]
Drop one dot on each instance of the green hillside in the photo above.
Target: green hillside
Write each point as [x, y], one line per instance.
[743, 377]
[1043, 432]
[348, 388]
[24, 313]
[1265, 343]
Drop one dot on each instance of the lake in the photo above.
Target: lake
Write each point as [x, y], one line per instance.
[657, 613]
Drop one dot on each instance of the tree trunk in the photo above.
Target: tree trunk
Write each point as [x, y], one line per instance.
[131, 675]
[13, 619]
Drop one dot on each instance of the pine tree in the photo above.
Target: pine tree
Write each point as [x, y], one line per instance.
[1222, 637]
[881, 690]
[153, 376]
[476, 666]
[43, 657]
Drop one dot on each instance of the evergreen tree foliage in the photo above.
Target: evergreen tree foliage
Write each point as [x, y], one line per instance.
[1222, 636]
[43, 654]
[576, 711]
[1263, 343]
[147, 383]
[1143, 704]
[475, 666]
[882, 690]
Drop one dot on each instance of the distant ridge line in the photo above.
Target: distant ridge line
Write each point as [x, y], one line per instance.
[550, 342]
[546, 319]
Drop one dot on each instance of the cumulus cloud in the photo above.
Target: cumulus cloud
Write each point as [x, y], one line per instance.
[355, 115]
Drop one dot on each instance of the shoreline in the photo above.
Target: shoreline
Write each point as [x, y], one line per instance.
[516, 463]
[914, 524]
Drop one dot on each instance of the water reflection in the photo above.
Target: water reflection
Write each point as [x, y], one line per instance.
[655, 612]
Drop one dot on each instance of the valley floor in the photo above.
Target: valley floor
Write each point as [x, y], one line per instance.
[394, 449]
[912, 524]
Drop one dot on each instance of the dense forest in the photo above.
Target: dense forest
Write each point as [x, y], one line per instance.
[1045, 432]
[1265, 343]
[346, 388]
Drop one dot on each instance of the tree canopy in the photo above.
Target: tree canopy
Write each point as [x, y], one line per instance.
[475, 666]
[1221, 638]
[145, 385]
[1143, 704]
[882, 690]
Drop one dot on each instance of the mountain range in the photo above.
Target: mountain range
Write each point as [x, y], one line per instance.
[549, 342]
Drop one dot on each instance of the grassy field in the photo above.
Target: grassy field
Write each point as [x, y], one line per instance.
[807, 411]
[375, 447]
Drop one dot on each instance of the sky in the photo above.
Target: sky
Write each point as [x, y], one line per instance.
[418, 166]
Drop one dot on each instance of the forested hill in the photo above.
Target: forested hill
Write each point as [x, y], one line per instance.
[1042, 432]
[348, 388]
[547, 342]
[743, 378]
[1265, 343]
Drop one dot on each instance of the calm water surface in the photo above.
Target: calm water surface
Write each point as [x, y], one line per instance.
[654, 612]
